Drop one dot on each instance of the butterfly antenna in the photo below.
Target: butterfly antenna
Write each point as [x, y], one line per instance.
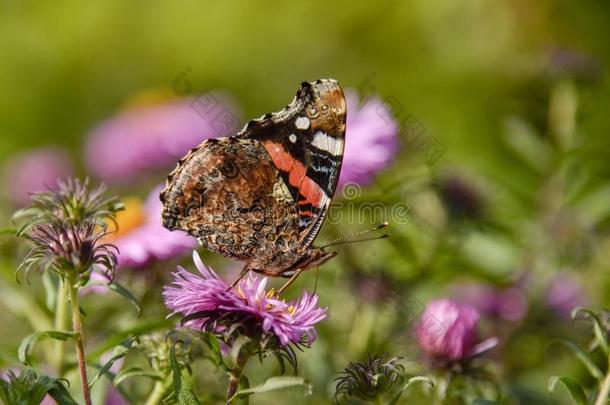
[349, 238]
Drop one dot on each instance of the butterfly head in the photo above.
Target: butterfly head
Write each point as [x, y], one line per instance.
[319, 256]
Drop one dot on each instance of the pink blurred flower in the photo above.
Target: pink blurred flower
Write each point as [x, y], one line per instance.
[153, 137]
[565, 292]
[371, 140]
[34, 171]
[509, 304]
[447, 331]
[141, 237]
[247, 309]
[113, 396]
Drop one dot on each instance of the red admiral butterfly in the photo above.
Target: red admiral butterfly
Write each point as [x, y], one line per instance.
[261, 196]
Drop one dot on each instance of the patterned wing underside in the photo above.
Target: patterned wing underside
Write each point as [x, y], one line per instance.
[305, 140]
[228, 194]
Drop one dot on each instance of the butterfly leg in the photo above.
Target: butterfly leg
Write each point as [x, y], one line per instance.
[242, 274]
[294, 277]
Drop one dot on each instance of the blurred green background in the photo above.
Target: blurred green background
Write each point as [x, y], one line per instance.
[481, 76]
[459, 67]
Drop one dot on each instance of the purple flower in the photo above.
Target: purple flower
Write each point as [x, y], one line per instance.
[210, 304]
[34, 171]
[572, 63]
[141, 238]
[153, 137]
[371, 139]
[447, 331]
[68, 247]
[114, 397]
[564, 293]
[368, 380]
[509, 304]
[462, 197]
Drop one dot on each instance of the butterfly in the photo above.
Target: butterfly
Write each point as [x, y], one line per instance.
[261, 196]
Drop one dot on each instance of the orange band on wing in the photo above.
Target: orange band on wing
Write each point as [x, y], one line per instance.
[297, 174]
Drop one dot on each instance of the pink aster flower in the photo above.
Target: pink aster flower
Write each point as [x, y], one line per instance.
[564, 293]
[447, 331]
[153, 137]
[509, 304]
[141, 238]
[34, 171]
[371, 139]
[207, 302]
[113, 396]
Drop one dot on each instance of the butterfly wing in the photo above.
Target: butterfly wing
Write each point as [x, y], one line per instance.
[228, 194]
[305, 141]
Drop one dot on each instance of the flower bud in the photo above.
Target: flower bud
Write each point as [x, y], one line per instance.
[447, 331]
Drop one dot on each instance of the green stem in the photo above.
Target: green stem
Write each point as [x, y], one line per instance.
[604, 390]
[378, 400]
[80, 344]
[235, 374]
[61, 321]
[157, 393]
[442, 386]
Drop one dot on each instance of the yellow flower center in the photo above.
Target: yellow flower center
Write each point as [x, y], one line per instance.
[148, 98]
[127, 220]
[271, 294]
[240, 292]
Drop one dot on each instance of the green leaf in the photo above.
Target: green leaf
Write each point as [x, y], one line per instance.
[118, 288]
[410, 382]
[27, 344]
[584, 358]
[118, 353]
[186, 396]
[571, 385]
[24, 212]
[8, 231]
[213, 344]
[139, 329]
[61, 394]
[272, 384]
[594, 205]
[31, 388]
[51, 284]
[599, 330]
[522, 139]
[237, 346]
[123, 291]
[134, 372]
[182, 384]
[244, 384]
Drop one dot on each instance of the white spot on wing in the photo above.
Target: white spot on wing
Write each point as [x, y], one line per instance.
[328, 143]
[292, 138]
[302, 123]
